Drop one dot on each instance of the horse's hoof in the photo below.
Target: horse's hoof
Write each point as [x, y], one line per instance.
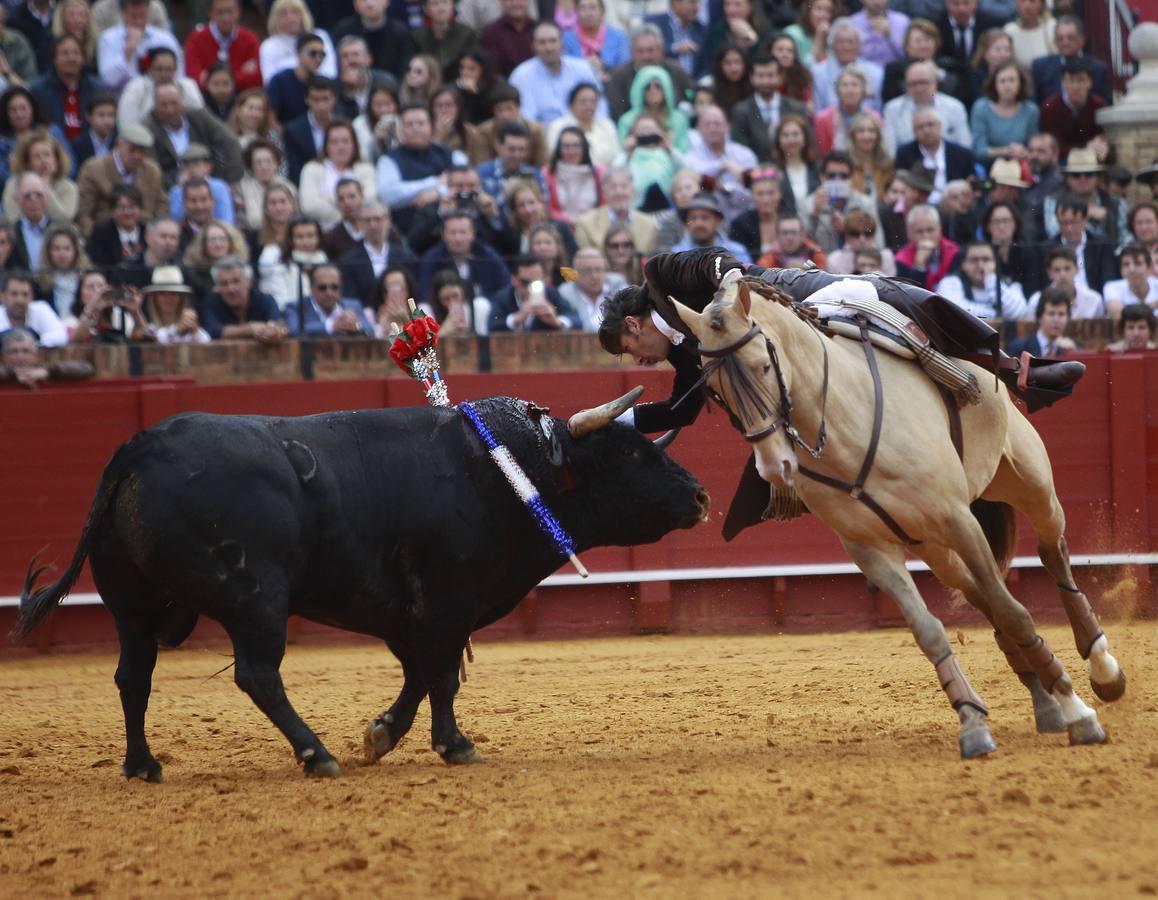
[319, 768]
[1049, 718]
[463, 756]
[1087, 730]
[150, 772]
[1112, 691]
[378, 741]
[976, 742]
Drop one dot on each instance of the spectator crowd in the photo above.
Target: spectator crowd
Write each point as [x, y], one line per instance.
[508, 164]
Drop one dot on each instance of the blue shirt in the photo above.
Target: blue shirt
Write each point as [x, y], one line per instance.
[737, 250]
[544, 93]
[222, 202]
[216, 313]
[33, 239]
[494, 180]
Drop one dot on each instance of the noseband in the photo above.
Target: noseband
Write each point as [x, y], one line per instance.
[748, 390]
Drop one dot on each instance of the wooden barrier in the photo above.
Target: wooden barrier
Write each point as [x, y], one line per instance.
[54, 443]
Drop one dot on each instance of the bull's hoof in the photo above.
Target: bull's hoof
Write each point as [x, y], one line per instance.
[1048, 717]
[378, 741]
[1112, 691]
[462, 756]
[149, 771]
[316, 766]
[976, 742]
[1087, 730]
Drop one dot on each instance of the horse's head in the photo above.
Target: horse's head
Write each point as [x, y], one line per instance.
[743, 369]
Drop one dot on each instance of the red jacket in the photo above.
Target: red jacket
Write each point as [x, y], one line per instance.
[201, 52]
[930, 278]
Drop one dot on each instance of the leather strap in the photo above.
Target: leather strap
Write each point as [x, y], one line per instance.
[1047, 666]
[1083, 621]
[956, 686]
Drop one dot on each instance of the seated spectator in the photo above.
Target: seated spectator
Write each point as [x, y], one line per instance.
[702, 220]
[391, 46]
[977, 288]
[1004, 119]
[1001, 225]
[908, 188]
[171, 309]
[928, 256]
[653, 96]
[1142, 225]
[1135, 329]
[1136, 286]
[545, 244]
[742, 28]
[1071, 115]
[844, 51]
[197, 197]
[506, 106]
[124, 48]
[823, 213]
[1047, 71]
[303, 136]
[220, 91]
[287, 89]
[66, 89]
[107, 13]
[1032, 32]
[345, 234]
[17, 53]
[137, 98]
[958, 219]
[795, 75]
[377, 127]
[529, 304]
[872, 167]
[593, 285]
[212, 243]
[196, 162]
[174, 129]
[861, 233]
[320, 178]
[921, 91]
[409, 176]
[423, 78]
[794, 152]
[1061, 269]
[833, 123]
[526, 208]
[685, 185]
[62, 259]
[21, 115]
[647, 49]
[720, 161]
[20, 309]
[730, 81]
[546, 80]
[1052, 312]
[475, 262]
[755, 228]
[792, 249]
[237, 310]
[91, 287]
[224, 39]
[32, 225]
[288, 20]
[446, 113]
[108, 315]
[573, 181]
[40, 153]
[442, 37]
[1107, 214]
[810, 30]
[283, 272]
[622, 257]
[1094, 257]
[100, 131]
[475, 79]
[278, 210]
[923, 44]
[452, 303]
[261, 160]
[20, 362]
[512, 147]
[324, 311]
[362, 265]
[592, 227]
[391, 298]
[162, 248]
[993, 48]
[119, 241]
[882, 32]
[596, 41]
[652, 161]
[755, 119]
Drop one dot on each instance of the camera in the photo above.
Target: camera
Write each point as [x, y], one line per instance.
[466, 199]
[116, 297]
[649, 140]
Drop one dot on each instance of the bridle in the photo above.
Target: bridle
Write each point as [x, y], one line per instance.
[751, 397]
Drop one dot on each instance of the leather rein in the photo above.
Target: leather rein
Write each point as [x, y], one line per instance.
[742, 385]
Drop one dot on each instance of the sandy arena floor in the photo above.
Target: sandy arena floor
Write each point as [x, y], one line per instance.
[648, 767]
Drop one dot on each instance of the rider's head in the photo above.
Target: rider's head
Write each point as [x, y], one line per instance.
[627, 326]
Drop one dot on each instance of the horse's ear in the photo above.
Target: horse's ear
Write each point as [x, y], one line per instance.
[745, 294]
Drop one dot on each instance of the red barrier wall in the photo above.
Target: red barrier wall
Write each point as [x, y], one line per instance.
[55, 442]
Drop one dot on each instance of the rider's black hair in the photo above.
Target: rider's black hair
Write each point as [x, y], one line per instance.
[632, 300]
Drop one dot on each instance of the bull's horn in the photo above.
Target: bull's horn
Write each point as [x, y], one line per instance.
[666, 439]
[588, 420]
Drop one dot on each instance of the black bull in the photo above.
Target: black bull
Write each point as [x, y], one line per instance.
[392, 523]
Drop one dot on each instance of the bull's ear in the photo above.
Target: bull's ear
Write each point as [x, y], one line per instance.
[687, 315]
[745, 295]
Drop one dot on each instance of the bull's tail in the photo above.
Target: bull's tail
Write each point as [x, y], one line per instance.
[999, 524]
[37, 603]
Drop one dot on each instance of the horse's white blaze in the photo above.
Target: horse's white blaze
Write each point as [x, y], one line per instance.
[1073, 707]
[1104, 668]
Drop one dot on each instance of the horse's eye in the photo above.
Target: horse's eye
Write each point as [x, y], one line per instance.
[715, 325]
[767, 367]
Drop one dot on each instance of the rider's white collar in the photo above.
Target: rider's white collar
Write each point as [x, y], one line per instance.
[676, 337]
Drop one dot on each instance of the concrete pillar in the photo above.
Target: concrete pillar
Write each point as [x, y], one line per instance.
[1131, 124]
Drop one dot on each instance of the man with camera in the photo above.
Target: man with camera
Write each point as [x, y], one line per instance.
[823, 214]
[113, 317]
[464, 192]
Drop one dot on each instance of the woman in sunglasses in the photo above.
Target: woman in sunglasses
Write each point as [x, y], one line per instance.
[860, 231]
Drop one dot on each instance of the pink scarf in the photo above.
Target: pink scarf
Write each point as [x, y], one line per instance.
[591, 46]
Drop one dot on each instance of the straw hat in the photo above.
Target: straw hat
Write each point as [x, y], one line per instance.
[168, 280]
[1082, 161]
[1007, 172]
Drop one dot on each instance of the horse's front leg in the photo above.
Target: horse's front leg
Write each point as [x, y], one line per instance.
[885, 567]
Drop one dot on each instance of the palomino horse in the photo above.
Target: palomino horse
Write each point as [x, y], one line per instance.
[787, 383]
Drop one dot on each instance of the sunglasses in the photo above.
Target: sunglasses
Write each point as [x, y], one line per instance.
[837, 176]
[327, 287]
[316, 54]
[622, 245]
[863, 234]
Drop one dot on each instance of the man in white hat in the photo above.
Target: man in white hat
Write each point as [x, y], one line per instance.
[129, 163]
[1107, 214]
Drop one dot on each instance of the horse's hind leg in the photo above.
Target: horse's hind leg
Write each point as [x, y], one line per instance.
[885, 567]
[1024, 480]
[134, 680]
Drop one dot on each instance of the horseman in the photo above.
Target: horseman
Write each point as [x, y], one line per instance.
[639, 320]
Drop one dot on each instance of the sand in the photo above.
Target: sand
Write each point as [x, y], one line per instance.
[647, 767]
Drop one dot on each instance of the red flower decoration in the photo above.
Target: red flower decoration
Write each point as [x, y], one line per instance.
[416, 336]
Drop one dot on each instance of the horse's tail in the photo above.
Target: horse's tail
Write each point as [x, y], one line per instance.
[37, 603]
[999, 523]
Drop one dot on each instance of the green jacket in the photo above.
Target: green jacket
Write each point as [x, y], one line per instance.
[677, 122]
